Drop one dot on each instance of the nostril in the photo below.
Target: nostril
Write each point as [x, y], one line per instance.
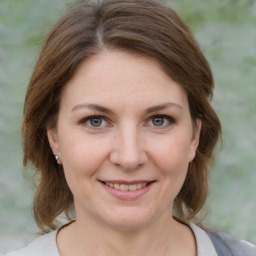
[128, 160]
[127, 149]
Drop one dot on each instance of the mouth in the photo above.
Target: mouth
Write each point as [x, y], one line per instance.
[128, 190]
[127, 186]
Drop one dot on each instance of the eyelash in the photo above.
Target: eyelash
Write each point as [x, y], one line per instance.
[167, 118]
[90, 118]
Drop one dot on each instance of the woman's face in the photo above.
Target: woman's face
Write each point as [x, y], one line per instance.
[125, 138]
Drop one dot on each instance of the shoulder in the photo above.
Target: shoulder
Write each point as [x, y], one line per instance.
[229, 246]
[44, 245]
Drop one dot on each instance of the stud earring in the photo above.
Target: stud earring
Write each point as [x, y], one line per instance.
[57, 159]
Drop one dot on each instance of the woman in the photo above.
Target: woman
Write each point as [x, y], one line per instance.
[118, 125]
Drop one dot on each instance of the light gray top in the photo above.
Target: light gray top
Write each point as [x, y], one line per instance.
[42, 246]
[46, 245]
[203, 242]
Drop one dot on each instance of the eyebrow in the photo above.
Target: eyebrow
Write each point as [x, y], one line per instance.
[109, 111]
[162, 107]
[93, 107]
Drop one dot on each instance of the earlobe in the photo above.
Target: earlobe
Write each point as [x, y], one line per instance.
[195, 139]
[53, 140]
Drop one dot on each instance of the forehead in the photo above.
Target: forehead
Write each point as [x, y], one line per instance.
[118, 75]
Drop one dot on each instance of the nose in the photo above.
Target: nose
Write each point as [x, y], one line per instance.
[127, 150]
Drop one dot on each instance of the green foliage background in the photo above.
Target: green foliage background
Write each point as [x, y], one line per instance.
[226, 32]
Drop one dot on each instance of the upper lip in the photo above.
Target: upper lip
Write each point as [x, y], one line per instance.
[127, 182]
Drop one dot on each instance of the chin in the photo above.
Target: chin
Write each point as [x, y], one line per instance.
[129, 220]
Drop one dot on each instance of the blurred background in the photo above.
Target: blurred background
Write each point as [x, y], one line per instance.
[226, 32]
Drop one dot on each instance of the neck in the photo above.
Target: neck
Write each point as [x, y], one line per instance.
[132, 242]
[159, 238]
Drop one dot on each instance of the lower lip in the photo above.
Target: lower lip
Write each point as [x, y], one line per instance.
[128, 194]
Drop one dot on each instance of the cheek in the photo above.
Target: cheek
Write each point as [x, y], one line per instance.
[172, 154]
[81, 161]
[81, 156]
[172, 158]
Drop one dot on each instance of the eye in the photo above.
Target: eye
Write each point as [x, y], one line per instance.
[158, 121]
[94, 121]
[161, 121]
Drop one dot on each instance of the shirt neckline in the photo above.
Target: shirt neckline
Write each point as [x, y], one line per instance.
[203, 242]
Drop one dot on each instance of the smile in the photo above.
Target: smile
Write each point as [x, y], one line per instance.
[128, 190]
[126, 187]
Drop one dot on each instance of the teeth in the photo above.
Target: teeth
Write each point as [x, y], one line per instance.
[139, 186]
[126, 187]
[116, 186]
[132, 187]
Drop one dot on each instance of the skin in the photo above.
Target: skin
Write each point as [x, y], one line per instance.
[122, 118]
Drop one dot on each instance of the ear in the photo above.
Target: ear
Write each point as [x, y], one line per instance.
[53, 141]
[195, 139]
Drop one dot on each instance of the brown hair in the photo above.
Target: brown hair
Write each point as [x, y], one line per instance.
[145, 27]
